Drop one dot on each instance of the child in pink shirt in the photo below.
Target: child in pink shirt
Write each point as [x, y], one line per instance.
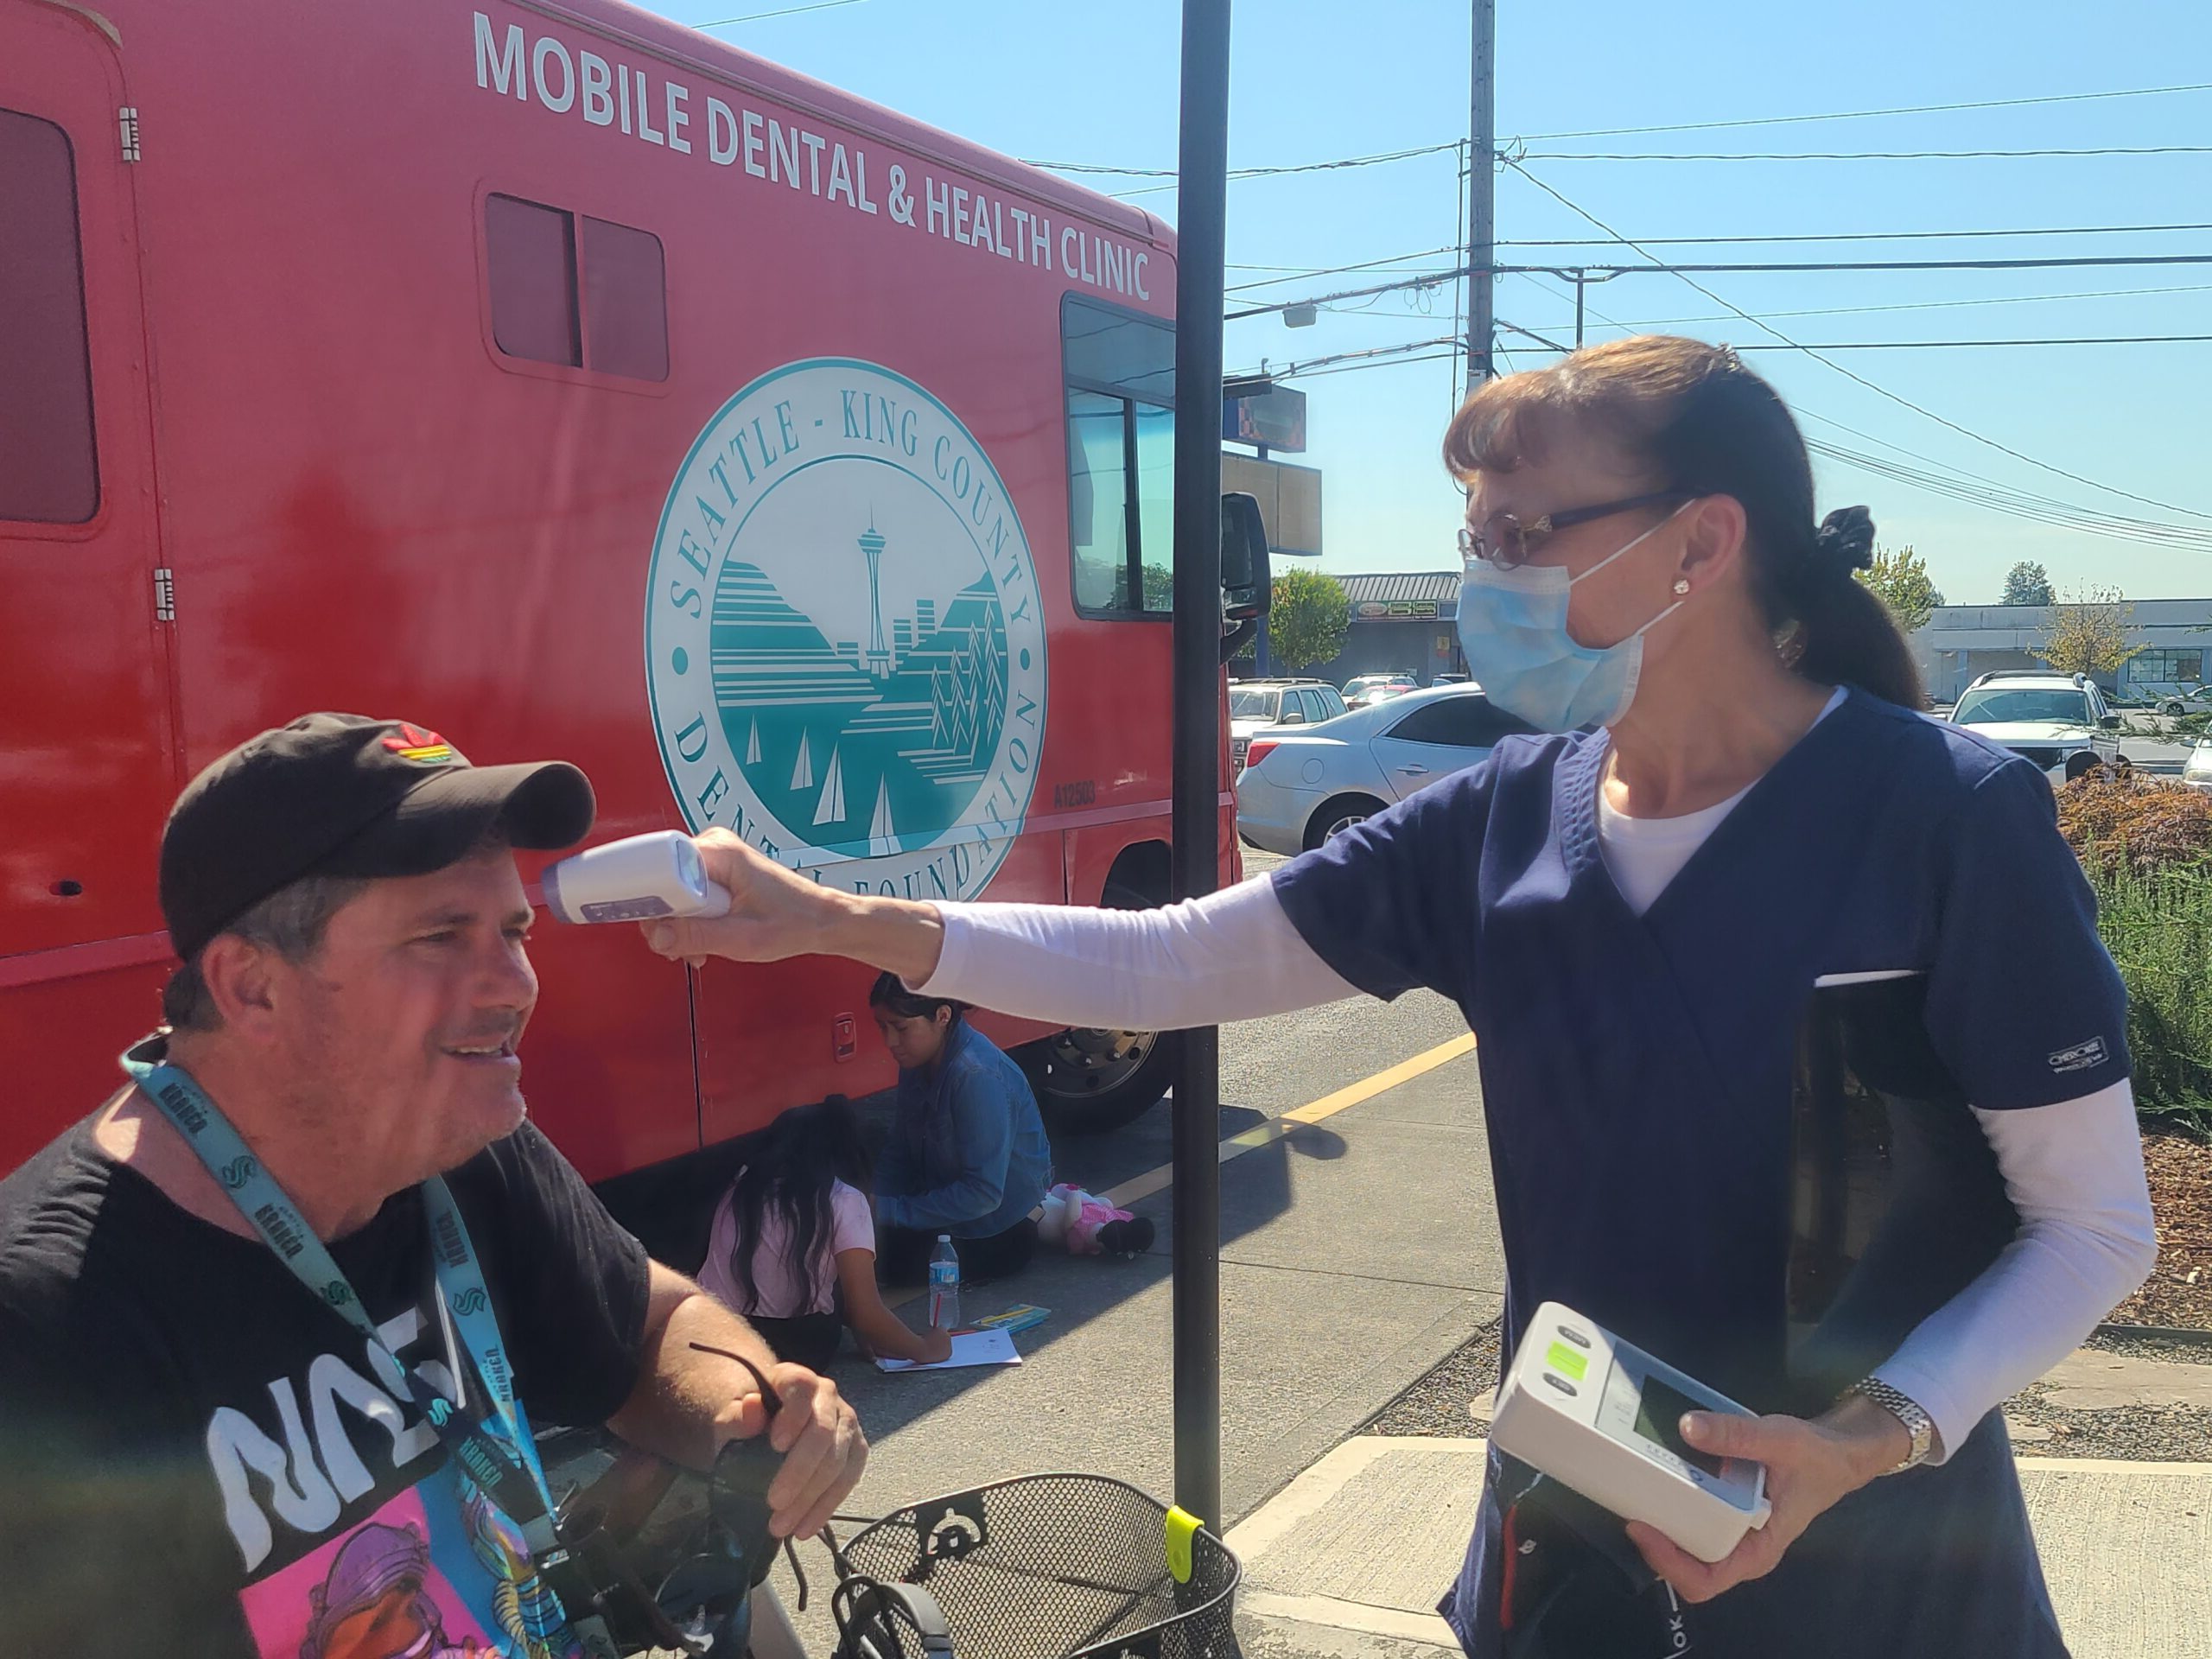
[792, 1247]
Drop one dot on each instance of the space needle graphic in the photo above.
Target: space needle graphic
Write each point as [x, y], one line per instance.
[878, 655]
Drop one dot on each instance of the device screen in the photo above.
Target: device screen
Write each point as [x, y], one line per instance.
[1659, 1416]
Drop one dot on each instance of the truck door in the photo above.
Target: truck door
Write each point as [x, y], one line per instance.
[87, 750]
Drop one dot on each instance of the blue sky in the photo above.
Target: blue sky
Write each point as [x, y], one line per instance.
[1314, 82]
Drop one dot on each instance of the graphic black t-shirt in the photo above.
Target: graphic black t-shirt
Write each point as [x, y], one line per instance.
[198, 1458]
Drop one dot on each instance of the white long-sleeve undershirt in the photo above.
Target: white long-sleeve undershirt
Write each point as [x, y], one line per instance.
[2073, 1171]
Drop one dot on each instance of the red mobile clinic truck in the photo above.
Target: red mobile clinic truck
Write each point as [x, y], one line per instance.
[581, 386]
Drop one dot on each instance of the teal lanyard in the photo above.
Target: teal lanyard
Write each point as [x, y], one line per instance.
[492, 1461]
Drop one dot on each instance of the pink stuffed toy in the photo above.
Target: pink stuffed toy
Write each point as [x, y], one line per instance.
[1088, 1226]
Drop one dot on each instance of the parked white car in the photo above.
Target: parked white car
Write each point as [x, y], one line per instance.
[1256, 706]
[1301, 787]
[2059, 721]
[2196, 772]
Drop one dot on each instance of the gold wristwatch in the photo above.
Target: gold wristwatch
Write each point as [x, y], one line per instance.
[1917, 1423]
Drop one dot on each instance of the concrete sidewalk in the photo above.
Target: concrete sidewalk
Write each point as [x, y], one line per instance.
[1351, 1557]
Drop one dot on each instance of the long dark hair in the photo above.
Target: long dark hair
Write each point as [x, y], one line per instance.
[808, 1150]
[1700, 421]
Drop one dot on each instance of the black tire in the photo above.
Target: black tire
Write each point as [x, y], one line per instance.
[1338, 813]
[1096, 1082]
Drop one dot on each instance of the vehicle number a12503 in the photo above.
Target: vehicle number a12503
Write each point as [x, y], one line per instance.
[1083, 793]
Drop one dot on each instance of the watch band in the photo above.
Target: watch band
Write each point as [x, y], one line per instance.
[1917, 1423]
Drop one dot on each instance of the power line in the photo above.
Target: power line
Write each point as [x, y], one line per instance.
[1955, 345]
[1429, 279]
[788, 11]
[2066, 262]
[1299, 273]
[1963, 484]
[1918, 305]
[1863, 115]
[1512, 157]
[1906, 403]
[1850, 235]
[1376, 160]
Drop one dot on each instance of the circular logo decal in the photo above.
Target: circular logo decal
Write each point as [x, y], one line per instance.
[845, 646]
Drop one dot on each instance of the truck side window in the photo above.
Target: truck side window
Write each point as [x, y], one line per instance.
[49, 468]
[572, 290]
[1121, 403]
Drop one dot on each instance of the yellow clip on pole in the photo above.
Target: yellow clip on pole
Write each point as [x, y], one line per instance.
[1181, 1525]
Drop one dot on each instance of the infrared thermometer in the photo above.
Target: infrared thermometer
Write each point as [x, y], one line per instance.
[1601, 1416]
[635, 880]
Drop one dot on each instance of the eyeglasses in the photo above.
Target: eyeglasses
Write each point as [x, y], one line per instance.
[1507, 542]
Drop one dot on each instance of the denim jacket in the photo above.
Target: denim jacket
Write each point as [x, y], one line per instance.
[967, 1154]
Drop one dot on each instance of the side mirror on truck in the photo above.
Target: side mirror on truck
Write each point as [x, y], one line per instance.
[1247, 586]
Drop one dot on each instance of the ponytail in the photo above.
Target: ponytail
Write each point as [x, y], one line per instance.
[1844, 632]
[1699, 420]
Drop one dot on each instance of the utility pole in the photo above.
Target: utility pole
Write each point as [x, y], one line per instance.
[1195, 769]
[1481, 188]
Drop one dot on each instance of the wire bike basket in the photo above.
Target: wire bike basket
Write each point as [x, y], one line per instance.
[1059, 1566]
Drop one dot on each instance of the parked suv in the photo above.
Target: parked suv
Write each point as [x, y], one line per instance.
[2059, 721]
[1260, 705]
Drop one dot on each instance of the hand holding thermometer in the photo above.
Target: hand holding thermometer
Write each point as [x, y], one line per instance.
[634, 879]
[1601, 1416]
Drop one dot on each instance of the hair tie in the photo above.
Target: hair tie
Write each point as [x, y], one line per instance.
[1844, 541]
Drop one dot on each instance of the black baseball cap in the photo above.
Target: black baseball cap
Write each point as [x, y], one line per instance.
[347, 796]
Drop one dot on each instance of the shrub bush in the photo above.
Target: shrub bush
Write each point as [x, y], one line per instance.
[2157, 922]
[2144, 822]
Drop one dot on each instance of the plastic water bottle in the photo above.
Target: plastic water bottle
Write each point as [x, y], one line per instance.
[944, 1285]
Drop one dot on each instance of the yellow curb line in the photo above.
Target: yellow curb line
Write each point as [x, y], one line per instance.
[1267, 1134]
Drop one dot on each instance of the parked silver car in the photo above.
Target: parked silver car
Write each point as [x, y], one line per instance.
[1301, 787]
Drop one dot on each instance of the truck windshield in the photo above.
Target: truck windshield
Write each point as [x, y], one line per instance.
[2067, 706]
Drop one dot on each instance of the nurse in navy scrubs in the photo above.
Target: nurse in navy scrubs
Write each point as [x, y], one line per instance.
[1741, 800]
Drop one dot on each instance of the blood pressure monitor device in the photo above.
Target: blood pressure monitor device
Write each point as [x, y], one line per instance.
[1601, 1416]
[635, 880]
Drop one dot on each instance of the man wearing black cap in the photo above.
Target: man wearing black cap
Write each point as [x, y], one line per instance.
[236, 1301]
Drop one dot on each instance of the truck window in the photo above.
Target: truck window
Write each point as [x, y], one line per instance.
[1121, 402]
[50, 470]
[572, 290]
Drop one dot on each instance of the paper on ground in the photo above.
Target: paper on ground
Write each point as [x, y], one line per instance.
[969, 1348]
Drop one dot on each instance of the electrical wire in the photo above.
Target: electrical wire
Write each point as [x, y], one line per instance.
[788, 11]
[1648, 324]
[1961, 345]
[1853, 236]
[1169, 173]
[1863, 115]
[1957, 483]
[1850, 374]
[1512, 156]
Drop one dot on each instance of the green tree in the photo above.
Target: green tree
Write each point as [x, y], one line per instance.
[2088, 632]
[1899, 579]
[1311, 617]
[2026, 583]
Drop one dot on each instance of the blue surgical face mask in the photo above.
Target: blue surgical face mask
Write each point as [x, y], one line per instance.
[1513, 628]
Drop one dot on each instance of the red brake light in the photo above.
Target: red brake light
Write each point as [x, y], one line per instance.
[1259, 750]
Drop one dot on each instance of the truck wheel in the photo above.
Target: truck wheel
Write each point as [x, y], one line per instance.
[1338, 815]
[1094, 1081]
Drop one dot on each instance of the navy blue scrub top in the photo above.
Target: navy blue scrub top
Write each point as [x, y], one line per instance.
[1636, 1073]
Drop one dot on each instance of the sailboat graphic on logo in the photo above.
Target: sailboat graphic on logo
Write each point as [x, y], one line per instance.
[883, 744]
[845, 643]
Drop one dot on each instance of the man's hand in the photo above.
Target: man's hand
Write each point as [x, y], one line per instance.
[820, 1438]
[690, 1400]
[776, 912]
[1809, 1465]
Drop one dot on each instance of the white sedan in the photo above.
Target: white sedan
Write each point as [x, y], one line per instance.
[1298, 789]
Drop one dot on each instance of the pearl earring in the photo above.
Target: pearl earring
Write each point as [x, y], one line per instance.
[1682, 585]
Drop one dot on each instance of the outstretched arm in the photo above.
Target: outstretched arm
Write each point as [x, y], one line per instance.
[1233, 954]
